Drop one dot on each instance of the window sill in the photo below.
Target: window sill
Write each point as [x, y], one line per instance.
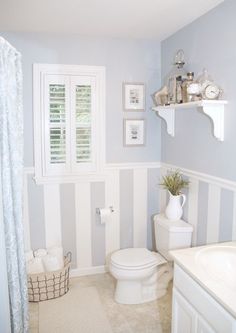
[88, 177]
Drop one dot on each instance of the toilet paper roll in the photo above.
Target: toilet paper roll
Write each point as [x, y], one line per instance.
[105, 215]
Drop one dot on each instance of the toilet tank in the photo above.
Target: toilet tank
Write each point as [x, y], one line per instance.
[171, 235]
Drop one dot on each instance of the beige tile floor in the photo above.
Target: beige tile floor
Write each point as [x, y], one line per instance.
[145, 318]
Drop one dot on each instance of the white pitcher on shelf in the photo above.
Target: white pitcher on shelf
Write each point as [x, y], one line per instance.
[174, 209]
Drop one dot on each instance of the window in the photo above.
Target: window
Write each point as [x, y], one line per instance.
[68, 120]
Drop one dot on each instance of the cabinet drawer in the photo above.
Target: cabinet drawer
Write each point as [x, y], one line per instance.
[217, 317]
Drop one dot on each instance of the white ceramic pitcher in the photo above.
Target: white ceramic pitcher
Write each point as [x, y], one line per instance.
[174, 209]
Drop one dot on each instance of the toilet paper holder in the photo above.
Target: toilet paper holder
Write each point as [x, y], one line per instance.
[98, 210]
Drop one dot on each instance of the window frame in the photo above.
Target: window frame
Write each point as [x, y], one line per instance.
[97, 73]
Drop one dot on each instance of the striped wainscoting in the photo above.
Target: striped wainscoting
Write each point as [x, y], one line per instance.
[210, 206]
[65, 214]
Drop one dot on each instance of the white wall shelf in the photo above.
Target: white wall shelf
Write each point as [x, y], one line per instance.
[213, 109]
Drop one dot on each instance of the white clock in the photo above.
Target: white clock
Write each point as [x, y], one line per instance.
[211, 91]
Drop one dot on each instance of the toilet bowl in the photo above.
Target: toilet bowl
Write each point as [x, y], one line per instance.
[136, 271]
[142, 275]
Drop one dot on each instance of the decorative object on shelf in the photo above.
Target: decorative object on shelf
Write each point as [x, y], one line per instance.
[134, 132]
[209, 89]
[174, 183]
[212, 91]
[194, 92]
[176, 72]
[179, 96]
[190, 89]
[171, 87]
[160, 97]
[179, 61]
[133, 96]
[185, 85]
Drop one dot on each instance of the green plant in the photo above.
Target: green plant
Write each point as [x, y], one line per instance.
[174, 182]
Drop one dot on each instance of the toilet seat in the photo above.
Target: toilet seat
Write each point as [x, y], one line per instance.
[136, 258]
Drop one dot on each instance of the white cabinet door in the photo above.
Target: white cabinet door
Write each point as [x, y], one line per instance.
[184, 317]
[203, 326]
[194, 310]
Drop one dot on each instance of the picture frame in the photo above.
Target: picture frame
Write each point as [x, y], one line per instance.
[133, 96]
[134, 132]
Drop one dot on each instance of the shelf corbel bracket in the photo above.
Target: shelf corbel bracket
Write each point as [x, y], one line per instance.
[169, 116]
[216, 114]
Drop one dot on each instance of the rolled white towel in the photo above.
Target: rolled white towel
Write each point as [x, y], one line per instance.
[51, 263]
[35, 266]
[29, 255]
[57, 251]
[40, 253]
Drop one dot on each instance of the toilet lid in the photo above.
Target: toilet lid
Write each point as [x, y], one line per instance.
[134, 257]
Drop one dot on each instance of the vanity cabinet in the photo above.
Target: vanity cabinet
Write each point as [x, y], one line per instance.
[194, 310]
[185, 318]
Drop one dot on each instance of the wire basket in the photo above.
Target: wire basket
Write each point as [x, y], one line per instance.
[45, 286]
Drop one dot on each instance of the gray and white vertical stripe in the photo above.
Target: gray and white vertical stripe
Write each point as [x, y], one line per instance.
[66, 214]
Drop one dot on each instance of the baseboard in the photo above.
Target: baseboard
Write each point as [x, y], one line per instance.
[88, 271]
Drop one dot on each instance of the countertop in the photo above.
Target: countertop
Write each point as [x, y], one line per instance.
[187, 259]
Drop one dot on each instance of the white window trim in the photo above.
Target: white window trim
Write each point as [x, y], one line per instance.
[39, 71]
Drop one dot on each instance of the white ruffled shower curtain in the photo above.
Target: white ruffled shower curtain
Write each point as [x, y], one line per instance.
[11, 168]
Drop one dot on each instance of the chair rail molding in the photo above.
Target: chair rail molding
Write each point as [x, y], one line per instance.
[221, 182]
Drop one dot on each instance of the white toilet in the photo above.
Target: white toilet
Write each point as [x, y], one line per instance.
[142, 275]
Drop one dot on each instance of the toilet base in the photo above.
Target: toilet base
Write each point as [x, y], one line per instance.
[137, 294]
[150, 289]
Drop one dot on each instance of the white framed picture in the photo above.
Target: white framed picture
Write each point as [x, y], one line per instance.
[134, 132]
[133, 96]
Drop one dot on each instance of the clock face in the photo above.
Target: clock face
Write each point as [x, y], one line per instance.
[212, 91]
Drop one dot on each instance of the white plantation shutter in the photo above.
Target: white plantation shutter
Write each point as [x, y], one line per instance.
[68, 117]
[57, 145]
[56, 124]
[83, 123]
[69, 109]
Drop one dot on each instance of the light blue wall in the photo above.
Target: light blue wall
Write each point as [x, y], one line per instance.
[208, 42]
[125, 60]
